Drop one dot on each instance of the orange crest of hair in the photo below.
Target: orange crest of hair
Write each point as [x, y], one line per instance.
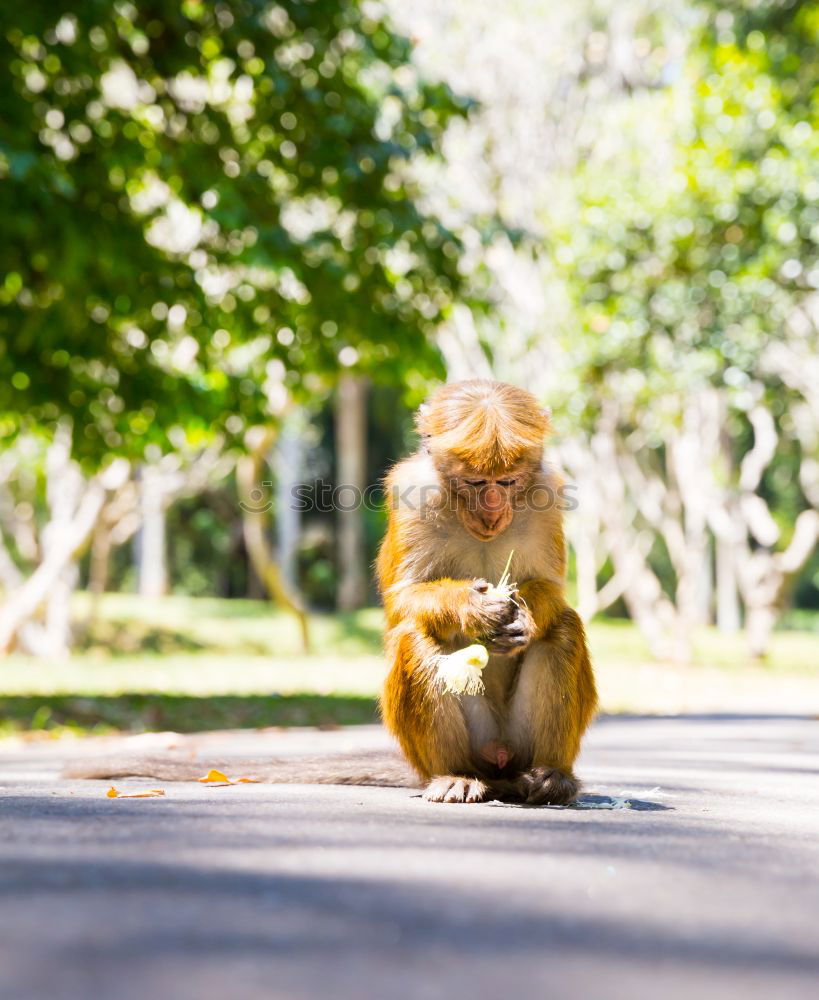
[490, 426]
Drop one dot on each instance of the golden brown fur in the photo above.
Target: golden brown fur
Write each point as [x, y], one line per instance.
[522, 736]
[486, 425]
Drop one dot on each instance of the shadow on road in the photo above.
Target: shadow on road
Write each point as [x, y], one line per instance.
[286, 921]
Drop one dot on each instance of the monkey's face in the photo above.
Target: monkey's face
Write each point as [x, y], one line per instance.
[486, 504]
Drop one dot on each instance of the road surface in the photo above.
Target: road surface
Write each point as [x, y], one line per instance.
[707, 887]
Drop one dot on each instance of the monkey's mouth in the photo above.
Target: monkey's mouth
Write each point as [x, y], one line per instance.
[484, 534]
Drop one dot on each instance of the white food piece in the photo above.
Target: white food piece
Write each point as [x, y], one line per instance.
[460, 671]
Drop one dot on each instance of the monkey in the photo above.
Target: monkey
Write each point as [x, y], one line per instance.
[474, 491]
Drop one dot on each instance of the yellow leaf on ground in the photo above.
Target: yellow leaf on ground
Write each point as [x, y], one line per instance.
[151, 793]
[213, 776]
[216, 778]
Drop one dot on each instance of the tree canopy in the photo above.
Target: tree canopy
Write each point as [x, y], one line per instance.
[204, 204]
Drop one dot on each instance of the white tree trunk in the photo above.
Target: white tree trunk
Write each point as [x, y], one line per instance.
[585, 562]
[57, 631]
[727, 596]
[351, 454]
[255, 518]
[22, 604]
[151, 555]
[74, 507]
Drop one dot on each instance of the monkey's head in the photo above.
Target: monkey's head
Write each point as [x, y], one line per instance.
[486, 440]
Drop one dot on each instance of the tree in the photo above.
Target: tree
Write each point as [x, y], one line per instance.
[203, 206]
[695, 285]
[351, 464]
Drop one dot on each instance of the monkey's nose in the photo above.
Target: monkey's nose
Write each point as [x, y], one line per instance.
[490, 518]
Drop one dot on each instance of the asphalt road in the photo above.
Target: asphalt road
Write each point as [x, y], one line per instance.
[708, 886]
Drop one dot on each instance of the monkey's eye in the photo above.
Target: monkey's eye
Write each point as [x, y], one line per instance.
[475, 482]
[507, 482]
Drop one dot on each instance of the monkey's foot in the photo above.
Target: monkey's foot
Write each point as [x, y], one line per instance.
[542, 786]
[452, 789]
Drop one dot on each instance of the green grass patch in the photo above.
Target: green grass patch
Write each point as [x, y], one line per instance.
[60, 715]
[190, 664]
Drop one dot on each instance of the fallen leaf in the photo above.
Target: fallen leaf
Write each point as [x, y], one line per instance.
[151, 793]
[213, 776]
[217, 778]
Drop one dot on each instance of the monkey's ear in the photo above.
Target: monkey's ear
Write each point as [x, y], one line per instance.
[421, 415]
[546, 414]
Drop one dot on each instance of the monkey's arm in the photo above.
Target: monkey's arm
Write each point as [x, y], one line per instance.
[439, 607]
[545, 601]
[442, 608]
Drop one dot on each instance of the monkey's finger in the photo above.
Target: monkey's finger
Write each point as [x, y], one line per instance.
[507, 630]
[504, 612]
[515, 627]
[482, 586]
[508, 644]
[513, 631]
[514, 638]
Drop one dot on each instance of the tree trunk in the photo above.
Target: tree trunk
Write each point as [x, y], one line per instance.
[255, 512]
[728, 611]
[57, 631]
[23, 603]
[759, 624]
[288, 467]
[152, 572]
[705, 599]
[74, 507]
[655, 616]
[100, 560]
[351, 457]
[585, 561]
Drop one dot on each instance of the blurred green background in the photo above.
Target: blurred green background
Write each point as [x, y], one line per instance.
[240, 242]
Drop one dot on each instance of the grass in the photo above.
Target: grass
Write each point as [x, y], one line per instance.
[189, 664]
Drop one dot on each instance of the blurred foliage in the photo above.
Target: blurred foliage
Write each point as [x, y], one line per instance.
[694, 251]
[205, 545]
[685, 265]
[200, 202]
[206, 553]
[208, 207]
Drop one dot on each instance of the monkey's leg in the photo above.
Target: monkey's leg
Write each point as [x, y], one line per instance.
[429, 722]
[552, 705]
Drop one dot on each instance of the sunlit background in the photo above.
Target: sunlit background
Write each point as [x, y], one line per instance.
[242, 240]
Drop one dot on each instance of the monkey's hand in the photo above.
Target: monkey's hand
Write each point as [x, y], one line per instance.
[513, 629]
[498, 619]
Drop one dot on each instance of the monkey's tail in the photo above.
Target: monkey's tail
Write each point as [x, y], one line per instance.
[377, 768]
